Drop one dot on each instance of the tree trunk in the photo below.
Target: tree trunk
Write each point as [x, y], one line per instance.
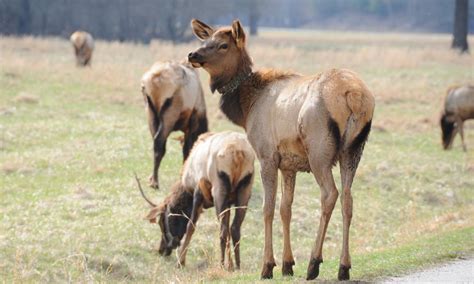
[253, 20]
[24, 25]
[460, 25]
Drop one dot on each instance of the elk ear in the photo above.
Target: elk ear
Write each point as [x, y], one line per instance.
[238, 34]
[154, 213]
[201, 30]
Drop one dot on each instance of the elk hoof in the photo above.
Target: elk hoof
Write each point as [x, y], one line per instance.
[229, 266]
[343, 272]
[313, 268]
[153, 182]
[167, 252]
[267, 271]
[287, 268]
[162, 251]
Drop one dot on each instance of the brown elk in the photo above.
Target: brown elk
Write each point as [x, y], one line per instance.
[83, 44]
[294, 123]
[174, 101]
[458, 107]
[218, 172]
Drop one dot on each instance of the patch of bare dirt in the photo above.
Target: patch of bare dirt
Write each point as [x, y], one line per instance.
[7, 110]
[26, 98]
[12, 167]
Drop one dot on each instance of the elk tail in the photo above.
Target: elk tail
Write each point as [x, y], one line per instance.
[152, 106]
[360, 120]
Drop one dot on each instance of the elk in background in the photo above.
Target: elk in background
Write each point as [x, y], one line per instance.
[458, 107]
[83, 44]
[218, 172]
[174, 101]
[294, 123]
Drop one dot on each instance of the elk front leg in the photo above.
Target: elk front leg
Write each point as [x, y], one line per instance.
[197, 126]
[269, 174]
[197, 209]
[460, 126]
[285, 213]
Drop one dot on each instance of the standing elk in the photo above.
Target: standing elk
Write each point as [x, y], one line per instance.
[294, 123]
[174, 101]
[218, 172]
[458, 107]
[83, 44]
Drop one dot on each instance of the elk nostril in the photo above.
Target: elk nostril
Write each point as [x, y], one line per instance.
[191, 55]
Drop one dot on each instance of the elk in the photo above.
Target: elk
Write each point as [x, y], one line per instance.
[294, 123]
[458, 107]
[83, 44]
[174, 101]
[218, 172]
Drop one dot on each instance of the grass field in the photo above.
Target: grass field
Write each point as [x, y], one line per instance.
[71, 139]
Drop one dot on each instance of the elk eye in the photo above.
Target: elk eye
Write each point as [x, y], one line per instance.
[223, 46]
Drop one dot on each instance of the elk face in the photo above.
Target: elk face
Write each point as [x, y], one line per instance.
[222, 49]
[159, 213]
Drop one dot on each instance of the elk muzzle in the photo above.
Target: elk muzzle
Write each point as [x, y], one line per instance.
[195, 59]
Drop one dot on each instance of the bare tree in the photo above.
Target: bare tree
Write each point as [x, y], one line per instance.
[461, 12]
[254, 15]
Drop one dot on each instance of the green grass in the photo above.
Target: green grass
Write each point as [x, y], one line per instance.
[71, 139]
[394, 261]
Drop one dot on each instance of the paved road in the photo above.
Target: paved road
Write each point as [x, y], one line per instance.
[459, 271]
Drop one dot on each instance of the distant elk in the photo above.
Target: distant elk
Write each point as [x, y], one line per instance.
[83, 44]
[458, 107]
[294, 123]
[174, 101]
[218, 172]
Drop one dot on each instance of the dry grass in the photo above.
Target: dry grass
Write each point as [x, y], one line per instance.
[70, 140]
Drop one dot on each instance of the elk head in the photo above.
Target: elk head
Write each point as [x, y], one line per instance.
[222, 54]
[448, 129]
[172, 215]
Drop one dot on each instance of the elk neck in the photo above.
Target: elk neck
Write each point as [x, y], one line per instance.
[234, 85]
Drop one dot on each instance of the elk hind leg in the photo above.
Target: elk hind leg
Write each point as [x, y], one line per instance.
[349, 161]
[323, 151]
[223, 214]
[241, 204]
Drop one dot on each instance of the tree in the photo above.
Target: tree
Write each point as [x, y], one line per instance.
[24, 21]
[460, 25]
[253, 8]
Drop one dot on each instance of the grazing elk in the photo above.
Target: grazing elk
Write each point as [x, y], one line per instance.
[174, 101]
[294, 123]
[458, 107]
[83, 44]
[218, 172]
